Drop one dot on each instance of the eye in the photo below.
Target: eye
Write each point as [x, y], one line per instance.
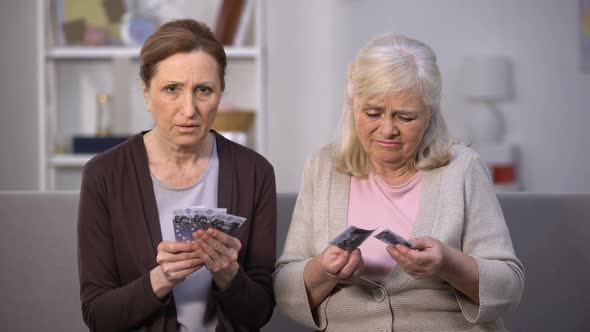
[171, 88]
[373, 114]
[406, 118]
[203, 90]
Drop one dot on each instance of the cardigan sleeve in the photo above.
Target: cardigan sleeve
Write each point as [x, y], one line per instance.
[290, 291]
[106, 304]
[487, 240]
[249, 299]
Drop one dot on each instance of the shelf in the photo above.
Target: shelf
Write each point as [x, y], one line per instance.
[98, 53]
[80, 52]
[70, 76]
[69, 160]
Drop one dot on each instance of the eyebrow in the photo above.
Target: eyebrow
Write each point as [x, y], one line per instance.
[180, 83]
[382, 108]
[372, 106]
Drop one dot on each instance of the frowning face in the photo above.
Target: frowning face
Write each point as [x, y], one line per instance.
[391, 128]
[183, 97]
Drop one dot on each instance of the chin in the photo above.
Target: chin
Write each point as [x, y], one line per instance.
[387, 159]
[187, 140]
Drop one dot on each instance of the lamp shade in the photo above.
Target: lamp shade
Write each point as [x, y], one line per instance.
[487, 78]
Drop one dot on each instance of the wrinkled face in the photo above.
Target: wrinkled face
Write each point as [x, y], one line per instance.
[183, 97]
[390, 128]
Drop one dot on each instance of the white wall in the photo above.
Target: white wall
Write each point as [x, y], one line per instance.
[309, 45]
[304, 98]
[311, 42]
[18, 92]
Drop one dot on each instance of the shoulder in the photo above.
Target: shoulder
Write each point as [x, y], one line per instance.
[462, 152]
[462, 156]
[321, 161]
[323, 156]
[242, 155]
[116, 158]
[463, 160]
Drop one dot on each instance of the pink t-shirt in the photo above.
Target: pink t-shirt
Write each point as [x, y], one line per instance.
[375, 204]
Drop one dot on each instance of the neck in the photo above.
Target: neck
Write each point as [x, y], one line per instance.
[162, 151]
[392, 174]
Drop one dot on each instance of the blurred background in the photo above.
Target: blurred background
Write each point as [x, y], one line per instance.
[516, 80]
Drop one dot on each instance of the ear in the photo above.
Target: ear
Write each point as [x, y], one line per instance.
[146, 95]
[429, 122]
[355, 104]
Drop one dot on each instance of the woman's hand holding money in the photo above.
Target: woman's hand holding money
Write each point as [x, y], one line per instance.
[424, 262]
[176, 260]
[434, 259]
[219, 252]
[322, 273]
[340, 265]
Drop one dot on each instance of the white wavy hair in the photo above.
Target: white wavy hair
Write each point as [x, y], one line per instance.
[392, 64]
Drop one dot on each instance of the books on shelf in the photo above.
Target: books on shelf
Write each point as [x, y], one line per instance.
[233, 21]
[244, 25]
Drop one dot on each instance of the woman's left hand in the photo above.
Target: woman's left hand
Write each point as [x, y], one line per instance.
[219, 251]
[425, 260]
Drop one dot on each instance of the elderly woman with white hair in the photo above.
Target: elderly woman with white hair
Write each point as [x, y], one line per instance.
[395, 167]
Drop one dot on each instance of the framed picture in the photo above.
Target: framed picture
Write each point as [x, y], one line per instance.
[86, 22]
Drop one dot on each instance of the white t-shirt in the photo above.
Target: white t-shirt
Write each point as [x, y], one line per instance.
[190, 296]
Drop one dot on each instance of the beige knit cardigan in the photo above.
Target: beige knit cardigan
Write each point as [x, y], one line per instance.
[458, 206]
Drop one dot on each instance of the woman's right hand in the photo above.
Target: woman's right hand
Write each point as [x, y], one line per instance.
[340, 265]
[176, 260]
[322, 273]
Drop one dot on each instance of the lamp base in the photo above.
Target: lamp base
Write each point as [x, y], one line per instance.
[502, 160]
[487, 124]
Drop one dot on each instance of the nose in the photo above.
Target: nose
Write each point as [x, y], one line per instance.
[388, 127]
[189, 105]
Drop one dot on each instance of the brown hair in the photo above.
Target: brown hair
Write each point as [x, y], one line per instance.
[179, 36]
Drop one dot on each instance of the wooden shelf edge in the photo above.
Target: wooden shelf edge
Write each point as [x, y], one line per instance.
[97, 53]
[69, 160]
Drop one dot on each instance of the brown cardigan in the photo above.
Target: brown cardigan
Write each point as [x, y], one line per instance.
[119, 230]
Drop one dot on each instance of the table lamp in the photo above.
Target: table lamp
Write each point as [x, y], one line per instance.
[488, 81]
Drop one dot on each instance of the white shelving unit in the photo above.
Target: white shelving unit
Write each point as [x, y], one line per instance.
[69, 160]
[59, 112]
[106, 53]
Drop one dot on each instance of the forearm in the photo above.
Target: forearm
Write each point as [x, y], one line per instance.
[317, 285]
[224, 277]
[120, 308]
[246, 297]
[248, 300]
[461, 271]
[160, 286]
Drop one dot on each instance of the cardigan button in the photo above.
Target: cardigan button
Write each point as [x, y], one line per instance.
[379, 294]
[381, 330]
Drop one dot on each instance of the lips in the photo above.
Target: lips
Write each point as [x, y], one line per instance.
[388, 143]
[187, 128]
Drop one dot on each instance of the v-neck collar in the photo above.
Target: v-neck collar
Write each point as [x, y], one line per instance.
[225, 182]
[338, 216]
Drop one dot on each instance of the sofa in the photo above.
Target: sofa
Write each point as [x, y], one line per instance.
[39, 280]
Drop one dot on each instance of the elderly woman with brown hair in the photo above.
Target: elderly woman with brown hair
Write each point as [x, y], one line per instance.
[394, 167]
[133, 274]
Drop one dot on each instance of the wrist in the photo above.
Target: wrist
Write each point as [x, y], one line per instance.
[160, 285]
[455, 263]
[223, 278]
[318, 274]
[446, 266]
